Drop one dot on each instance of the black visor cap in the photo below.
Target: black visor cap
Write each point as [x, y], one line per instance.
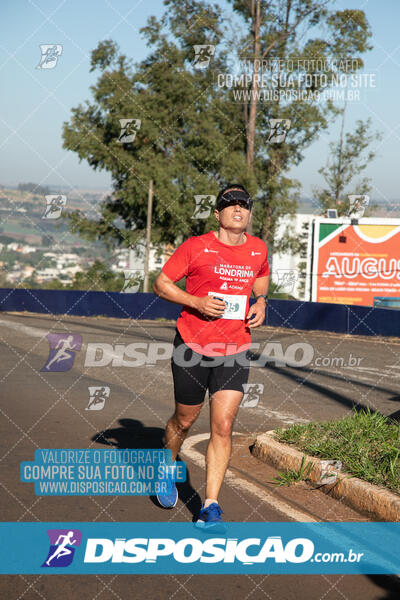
[232, 197]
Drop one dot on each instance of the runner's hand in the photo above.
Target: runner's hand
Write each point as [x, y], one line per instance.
[210, 306]
[257, 309]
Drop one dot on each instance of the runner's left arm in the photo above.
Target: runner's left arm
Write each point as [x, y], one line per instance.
[260, 287]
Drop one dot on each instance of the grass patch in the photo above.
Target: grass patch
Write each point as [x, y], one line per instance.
[368, 444]
[291, 476]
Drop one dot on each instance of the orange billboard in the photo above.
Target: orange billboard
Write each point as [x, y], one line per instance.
[354, 263]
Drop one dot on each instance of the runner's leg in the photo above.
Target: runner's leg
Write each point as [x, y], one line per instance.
[223, 409]
[190, 386]
[179, 424]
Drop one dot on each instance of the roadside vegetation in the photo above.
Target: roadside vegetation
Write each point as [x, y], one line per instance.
[367, 443]
[290, 476]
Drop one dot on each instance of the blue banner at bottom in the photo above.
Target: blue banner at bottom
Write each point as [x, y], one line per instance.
[159, 548]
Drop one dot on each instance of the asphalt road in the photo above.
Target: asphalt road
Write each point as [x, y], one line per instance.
[49, 410]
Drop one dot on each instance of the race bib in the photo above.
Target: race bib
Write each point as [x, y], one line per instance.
[235, 305]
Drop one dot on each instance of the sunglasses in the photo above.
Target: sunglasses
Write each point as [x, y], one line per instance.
[242, 203]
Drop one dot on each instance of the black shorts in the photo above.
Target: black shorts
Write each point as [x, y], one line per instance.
[195, 373]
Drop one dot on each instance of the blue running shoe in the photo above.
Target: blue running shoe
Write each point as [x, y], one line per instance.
[210, 519]
[170, 499]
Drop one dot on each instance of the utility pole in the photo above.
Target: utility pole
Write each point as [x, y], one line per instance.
[252, 116]
[148, 237]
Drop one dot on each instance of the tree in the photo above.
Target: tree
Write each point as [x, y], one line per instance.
[180, 143]
[190, 134]
[97, 278]
[349, 156]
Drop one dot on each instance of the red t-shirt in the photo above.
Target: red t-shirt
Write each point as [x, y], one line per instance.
[212, 266]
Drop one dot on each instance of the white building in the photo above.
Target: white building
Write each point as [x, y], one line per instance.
[27, 249]
[72, 270]
[14, 276]
[70, 257]
[14, 246]
[23, 248]
[121, 260]
[285, 271]
[65, 261]
[47, 274]
[134, 259]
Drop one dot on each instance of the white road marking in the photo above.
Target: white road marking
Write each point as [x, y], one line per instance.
[287, 419]
[32, 331]
[42, 333]
[242, 484]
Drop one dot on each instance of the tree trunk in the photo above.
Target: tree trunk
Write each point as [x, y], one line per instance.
[251, 125]
[250, 122]
[339, 183]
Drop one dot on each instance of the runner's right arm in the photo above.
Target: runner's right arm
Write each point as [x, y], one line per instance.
[176, 268]
[165, 288]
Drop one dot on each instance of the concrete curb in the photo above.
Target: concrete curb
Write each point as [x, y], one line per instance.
[360, 495]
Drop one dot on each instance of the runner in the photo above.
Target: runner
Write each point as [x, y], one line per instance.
[213, 334]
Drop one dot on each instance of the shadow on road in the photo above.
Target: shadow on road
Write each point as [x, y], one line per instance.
[134, 435]
[321, 388]
[390, 584]
[396, 415]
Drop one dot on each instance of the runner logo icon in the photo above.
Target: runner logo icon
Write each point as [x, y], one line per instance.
[63, 543]
[357, 205]
[279, 129]
[133, 280]
[98, 396]
[50, 54]
[62, 351]
[204, 205]
[202, 55]
[54, 206]
[251, 394]
[129, 129]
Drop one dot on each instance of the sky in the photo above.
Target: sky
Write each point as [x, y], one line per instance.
[35, 102]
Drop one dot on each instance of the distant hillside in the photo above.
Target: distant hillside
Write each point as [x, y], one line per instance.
[22, 213]
[378, 208]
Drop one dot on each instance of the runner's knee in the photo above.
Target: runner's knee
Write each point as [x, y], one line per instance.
[184, 422]
[222, 427]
